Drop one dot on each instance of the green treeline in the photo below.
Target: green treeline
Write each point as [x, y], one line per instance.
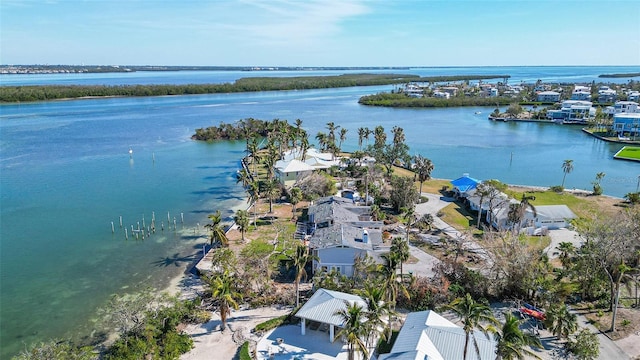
[244, 129]
[53, 92]
[402, 100]
[619, 75]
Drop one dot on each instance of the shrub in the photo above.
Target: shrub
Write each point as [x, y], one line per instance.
[271, 324]
[244, 351]
[557, 188]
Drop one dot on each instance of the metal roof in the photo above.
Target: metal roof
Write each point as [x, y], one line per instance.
[323, 304]
[427, 335]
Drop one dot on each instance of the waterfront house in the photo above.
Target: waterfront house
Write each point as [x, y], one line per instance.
[428, 335]
[441, 95]
[622, 107]
[573, 111]
[548, 217]
[464, 186]
[627, 124]
[319, 312]
[548, 96]
[293, 166]
[633, 96]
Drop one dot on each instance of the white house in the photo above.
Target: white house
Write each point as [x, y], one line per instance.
[622, 107]
[633, 96]
[573, 111]
[288, 172]
[291, 167]
[547, 217]
[581, 93]
[426, 335]
[548, 96]
[338, 246]
[607, 95]
[441, 95]
[322, 307]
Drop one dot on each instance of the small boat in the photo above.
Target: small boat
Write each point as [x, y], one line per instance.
[477, 113]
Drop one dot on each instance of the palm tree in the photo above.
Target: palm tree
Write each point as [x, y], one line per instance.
[361, 132]
[567, 250]
[295, 195]
[254, 196]
[517, 211]
[223, 292]
[354, 328]
[373, 294]
[400, 250]
[299, 261]
[512, 342]
[243, 177]
[560, 321]
[253, 149]
[390, 283]
[272, 189]
[424, 167]
[473, 314]
[343, 137]
[242, 220]
[217, 232]
[567, 167]
[323, 141]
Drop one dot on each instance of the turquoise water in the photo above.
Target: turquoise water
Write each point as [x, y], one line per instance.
[66, 175]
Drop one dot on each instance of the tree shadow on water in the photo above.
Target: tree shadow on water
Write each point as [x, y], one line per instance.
[175, 260]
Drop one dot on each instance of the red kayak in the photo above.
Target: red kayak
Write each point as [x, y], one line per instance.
[533, 313]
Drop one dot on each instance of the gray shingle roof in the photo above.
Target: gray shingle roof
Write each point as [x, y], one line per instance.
[345, 235]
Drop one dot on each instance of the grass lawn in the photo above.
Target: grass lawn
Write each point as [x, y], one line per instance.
[628, 153]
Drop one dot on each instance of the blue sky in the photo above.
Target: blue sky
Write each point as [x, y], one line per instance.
[320, 32]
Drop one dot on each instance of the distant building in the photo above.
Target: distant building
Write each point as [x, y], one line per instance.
[606, 95]
[581, 93]
[548, 96]
[441, 95]
[494, 92]
[634, 96]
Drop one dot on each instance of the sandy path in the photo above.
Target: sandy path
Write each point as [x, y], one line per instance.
[210, 343]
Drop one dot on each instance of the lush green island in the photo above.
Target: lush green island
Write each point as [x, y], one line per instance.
[619, 75]
[402, 100]
[54, 92]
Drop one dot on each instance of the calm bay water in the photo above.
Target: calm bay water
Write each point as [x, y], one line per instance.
[66, 175]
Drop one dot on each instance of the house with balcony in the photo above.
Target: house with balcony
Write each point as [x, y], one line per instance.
[294, 166]
[581, 93]
[548, 96]
[633, 96]
[607, 95]
[622, 107]
[627, 124]
[340, 232]
[573, 112]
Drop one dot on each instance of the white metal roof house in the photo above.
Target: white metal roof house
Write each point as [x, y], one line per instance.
[573, 111]
[426, 335]
[547, 217]
[291, 167]
[323, 305]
